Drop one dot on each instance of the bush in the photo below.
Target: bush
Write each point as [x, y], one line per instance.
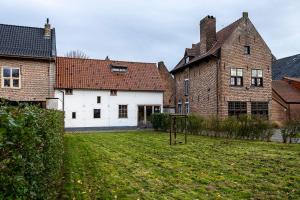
[31, 149]
[160, 121]
[290, 129]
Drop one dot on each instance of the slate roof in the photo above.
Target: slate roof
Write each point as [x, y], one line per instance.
[289, 66]
[221, 36]
[76, 73]
[22, 41]
[286, 91]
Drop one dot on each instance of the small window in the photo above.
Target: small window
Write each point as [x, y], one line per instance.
[186, 87]
[119, 68]
[156, 109]
[73, 115]
[187, 60]
[98, 99]
[236, 77]
[11, 77]
[97, 113]
[237, 108]
[113, 93]
[257, 77]
[69, 91]
[187, 106]
[123, 112]
[260, 109]
[247, 50]
[179, 107]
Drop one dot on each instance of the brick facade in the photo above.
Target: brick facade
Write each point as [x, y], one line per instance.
[37, 80]
[209, 76]
[169, 85]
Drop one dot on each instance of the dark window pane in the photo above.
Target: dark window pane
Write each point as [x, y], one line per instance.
[260, 109]
[16, 83]
[6, 72]
[123, 111]
[97, 113]
[156, 109]
[73, 115]
[15, 73]
[236, 108]
[98, 99]
[6, 82]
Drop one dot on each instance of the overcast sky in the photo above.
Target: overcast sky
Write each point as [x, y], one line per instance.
[151, 30]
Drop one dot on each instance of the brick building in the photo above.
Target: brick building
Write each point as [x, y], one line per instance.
[27, 56]
[286, 99]
[227, 73]
[169, 85]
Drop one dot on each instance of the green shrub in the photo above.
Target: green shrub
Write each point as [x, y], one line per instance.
[31, 148]
[160, 121]
[290, 129]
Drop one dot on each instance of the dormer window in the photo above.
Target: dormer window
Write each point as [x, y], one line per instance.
[119, 68]
[187, 60]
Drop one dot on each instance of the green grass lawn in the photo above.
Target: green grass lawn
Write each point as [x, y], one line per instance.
[142, 165]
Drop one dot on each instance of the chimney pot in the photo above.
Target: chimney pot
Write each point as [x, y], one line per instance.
[245, 14]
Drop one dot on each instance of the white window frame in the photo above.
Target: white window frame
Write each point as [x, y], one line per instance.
[10, 78]
[186, 87]
[187, 106]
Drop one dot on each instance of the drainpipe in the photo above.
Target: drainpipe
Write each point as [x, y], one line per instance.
[63, 100]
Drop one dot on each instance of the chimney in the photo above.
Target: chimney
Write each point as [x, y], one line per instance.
[207, 33]
[47, 29]
[245, 14]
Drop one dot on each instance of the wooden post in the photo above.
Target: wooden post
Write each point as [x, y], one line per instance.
[171, 124]
[185, 131]
[175, 130]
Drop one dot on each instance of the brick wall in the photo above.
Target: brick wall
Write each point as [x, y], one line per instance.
[35, 80]
[232, 56]
[169, 83]
[210, 80]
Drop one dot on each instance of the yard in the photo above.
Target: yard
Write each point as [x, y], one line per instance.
[141, 165]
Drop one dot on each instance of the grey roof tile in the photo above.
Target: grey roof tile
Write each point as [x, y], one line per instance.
[289, 66]
[25, 41]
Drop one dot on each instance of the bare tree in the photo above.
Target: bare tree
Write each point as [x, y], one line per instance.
[76, 54]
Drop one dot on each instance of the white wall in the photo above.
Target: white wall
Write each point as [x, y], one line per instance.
[83, 102]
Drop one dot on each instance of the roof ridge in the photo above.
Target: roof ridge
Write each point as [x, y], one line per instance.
[287, 57]
[22, 26]
[97, 59]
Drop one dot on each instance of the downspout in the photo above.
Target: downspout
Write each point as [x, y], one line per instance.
[63, 100]
[217, 85]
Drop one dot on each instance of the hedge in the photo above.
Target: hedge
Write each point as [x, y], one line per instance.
[31, 149]
[244, 127]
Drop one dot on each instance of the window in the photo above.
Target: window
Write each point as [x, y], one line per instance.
[97, 113]
[260, 109]
[236, 77]
[257, 78]
[123, 113]
[246, 50]
[11, 77]
[237, 108]
[187, 106]
[98, 99]
[119, 68]
[113, 93]
[187, 60]
[73, 115]
[156, 109]
[69, 91]
[179, 107]
[186, 87]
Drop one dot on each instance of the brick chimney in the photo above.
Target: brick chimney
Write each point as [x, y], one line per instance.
[207, 33]
[47, 29]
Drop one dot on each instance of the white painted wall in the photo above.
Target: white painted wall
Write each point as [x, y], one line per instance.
[83, 102]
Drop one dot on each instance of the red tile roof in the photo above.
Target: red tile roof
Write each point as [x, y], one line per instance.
[292, 79]
[286, 91]
[222, 36]
[76, 73]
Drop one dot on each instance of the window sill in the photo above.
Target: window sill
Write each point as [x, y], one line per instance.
[13, 88]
